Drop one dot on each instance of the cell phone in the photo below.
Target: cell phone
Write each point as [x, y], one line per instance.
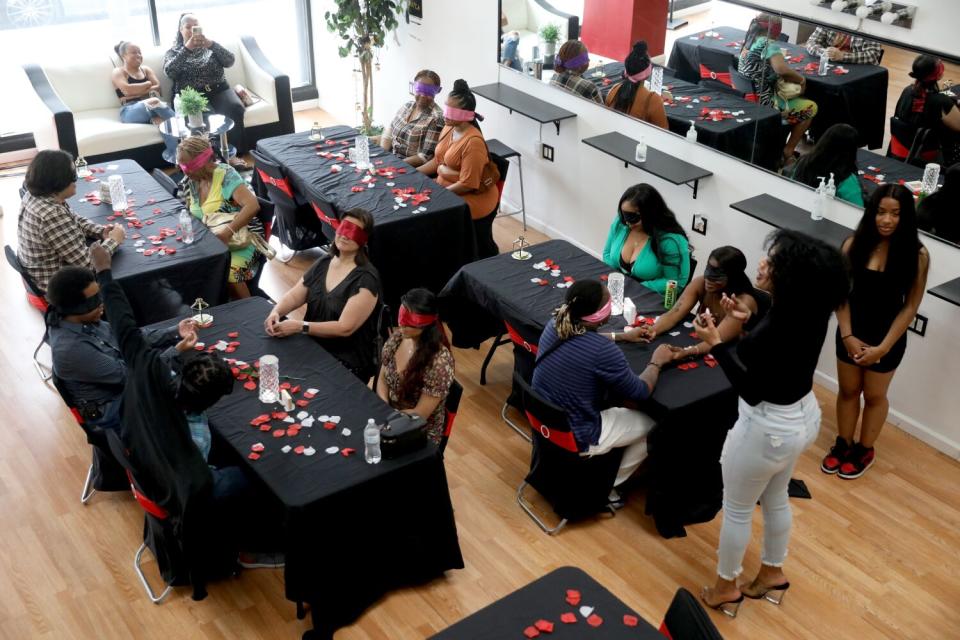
[197, 30]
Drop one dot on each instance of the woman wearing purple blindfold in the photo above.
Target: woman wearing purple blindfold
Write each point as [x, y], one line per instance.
[568, 66]
[415, 130]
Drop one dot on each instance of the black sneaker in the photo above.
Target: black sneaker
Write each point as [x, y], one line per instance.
[858, 461]
[835, 457]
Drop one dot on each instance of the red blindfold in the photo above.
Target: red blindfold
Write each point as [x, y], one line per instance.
[417, 320]
[348, 229]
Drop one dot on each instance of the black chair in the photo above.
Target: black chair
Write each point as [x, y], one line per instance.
[37, 300]
[524, 355]
[686, 619]
[165, 181]
[911, 144]
[297, 226]
[743, 85]
[575, 486]
[483, 228]
[501, 150]
[715, 70]
[385, 325]
[451, 405]
[266, 218]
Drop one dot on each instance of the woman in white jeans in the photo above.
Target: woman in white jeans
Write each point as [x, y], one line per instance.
[779, 416]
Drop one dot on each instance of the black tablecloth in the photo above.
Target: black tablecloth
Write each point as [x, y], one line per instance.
[545, 599]
[893, 171]
[858, 98]
[409, 249]
[693, 408]
[353, 531]
[158, 286]
[755, 140]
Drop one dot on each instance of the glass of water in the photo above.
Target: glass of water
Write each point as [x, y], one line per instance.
[269, 379]
[615, 286]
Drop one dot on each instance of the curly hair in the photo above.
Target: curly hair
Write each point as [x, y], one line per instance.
[655, 216]
[904, 254]
[204, 379]
[569, 50]
[429, 342]
[50, 172]
[808, 275]
[583, 298]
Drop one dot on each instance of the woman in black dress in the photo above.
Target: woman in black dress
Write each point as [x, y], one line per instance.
[889, 268]
[341, 292]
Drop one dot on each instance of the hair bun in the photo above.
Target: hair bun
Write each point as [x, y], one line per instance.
[118, 47]
[460, 85]
[640, 47]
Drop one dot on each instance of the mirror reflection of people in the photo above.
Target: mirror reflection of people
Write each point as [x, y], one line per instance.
[341, 292]
[417, 368]
[509, 50]
[196, 61]
[576, 368]
[138, 88]
[779, 416]
[889, 266]
[630, 96]
[568, 66]
[924, 106]
[843, 47]
[414, 132]
[724, 277]
[937, 213]
[646, 242]
[834, 154]
[49, 234]
[461, 164]
[761, 60]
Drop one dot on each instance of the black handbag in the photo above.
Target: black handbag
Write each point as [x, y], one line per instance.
[402, 434]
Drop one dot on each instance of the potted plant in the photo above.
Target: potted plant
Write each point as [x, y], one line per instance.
[550, 34]
[193, 104]
[363, 26]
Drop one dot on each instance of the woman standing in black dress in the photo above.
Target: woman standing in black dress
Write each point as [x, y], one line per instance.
[889, 268]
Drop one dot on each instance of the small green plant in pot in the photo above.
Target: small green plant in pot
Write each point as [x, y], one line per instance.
[550, 34]
[193, 104]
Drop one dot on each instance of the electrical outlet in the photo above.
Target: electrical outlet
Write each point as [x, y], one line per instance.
[919, 325]
[700, 223]
[547, 152]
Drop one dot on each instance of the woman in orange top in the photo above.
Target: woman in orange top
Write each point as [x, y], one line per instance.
[459, 160]
[630, 96]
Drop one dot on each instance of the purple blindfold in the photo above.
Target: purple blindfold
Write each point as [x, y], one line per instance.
[574, 62]
[424, 89]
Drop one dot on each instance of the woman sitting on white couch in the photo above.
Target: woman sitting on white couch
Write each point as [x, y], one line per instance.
[138, 88]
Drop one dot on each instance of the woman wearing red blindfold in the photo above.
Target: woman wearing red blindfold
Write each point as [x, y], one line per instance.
[922, 105]
[414, 132]
[341, 292]
[417, 368]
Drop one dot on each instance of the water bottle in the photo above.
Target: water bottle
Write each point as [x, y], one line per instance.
[692, 132]
[824, 63]
[118, 193]
[83, 170]
[186, 226]
[371, 442]
[316, 133]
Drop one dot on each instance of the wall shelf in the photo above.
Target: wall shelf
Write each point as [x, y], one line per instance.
[524, 104]
[658, 163]
[949, 291]
[784, 215]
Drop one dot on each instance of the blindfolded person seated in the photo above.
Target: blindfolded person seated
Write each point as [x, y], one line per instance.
[414, 132]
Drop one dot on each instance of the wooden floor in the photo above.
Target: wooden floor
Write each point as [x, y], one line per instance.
[873, 558]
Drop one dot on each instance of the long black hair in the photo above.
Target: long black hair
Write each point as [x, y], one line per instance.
[835, 152]
[431, 339]
[904, 253]
[637, 60]
[734, 265]
[809, 276]
[655, 216]
[583, 298]
[464, 96]
[367, 222]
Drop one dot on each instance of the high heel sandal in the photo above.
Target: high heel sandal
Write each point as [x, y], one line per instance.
[770, 594]
[729, 607]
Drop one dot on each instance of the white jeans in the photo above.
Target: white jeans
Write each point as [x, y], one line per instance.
[758, 458]
[628, 428]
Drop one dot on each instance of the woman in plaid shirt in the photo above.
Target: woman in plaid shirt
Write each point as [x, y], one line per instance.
[415, 130]
[568, 66]
[843, 47]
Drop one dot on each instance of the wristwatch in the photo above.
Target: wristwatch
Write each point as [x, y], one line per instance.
[305, 330]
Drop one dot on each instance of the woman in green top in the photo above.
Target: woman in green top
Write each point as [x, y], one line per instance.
[835, 153]
[646, 241]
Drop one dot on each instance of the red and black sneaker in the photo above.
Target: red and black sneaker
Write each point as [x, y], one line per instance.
[858, 461]
[836, 456]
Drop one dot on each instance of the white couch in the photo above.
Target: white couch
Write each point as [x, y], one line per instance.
[85, 110]
[526, 17]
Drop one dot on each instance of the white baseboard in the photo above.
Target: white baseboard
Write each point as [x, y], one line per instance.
[903, 422]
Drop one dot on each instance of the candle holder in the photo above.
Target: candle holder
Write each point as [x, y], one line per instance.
[202, 319]
[270, 379]
[520, 252]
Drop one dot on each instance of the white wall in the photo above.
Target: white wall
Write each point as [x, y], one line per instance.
[575, 197]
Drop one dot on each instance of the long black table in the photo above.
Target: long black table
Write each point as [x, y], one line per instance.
[409, 249]
[352, 531]
[690, 406]
[752, 135]
[545, 600]
[857, 98]
[159, 286]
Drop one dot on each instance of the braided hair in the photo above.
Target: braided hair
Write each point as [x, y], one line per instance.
[464, 96]
[204, 379]
[637, 60]
[583, 298]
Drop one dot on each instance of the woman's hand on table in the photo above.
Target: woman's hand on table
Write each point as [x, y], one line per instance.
[271, 322]
[634, 334]
[286, 328]
[114, 232]
[662, 355]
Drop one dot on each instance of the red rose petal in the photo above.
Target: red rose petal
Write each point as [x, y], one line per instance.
[265, 427]
[279, 433]
[329, 426]
[629, 620]
[298, 449]
[233, 334]
[278, 415]
[531, 632]
[257, 447]
[250, 385]
[347, 451]
[309, 396]
[573, 597]
[544, 625]
[254, 455]
[594, 620]
[284, 385]
[292, 431]
[568, 618]
[295, 389]
[302, 403]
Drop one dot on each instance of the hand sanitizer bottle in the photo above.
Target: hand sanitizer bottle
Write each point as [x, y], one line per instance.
[831, 189]
[692, 132]
[819, 201]
[641, 150]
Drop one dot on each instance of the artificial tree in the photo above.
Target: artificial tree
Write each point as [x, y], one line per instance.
[363, 26]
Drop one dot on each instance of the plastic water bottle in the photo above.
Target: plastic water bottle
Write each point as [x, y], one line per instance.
[186, 226]
[692, 132]
[371, 442]
[824, 63]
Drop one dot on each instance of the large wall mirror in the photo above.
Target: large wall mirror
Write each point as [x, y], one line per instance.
[792, 97]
